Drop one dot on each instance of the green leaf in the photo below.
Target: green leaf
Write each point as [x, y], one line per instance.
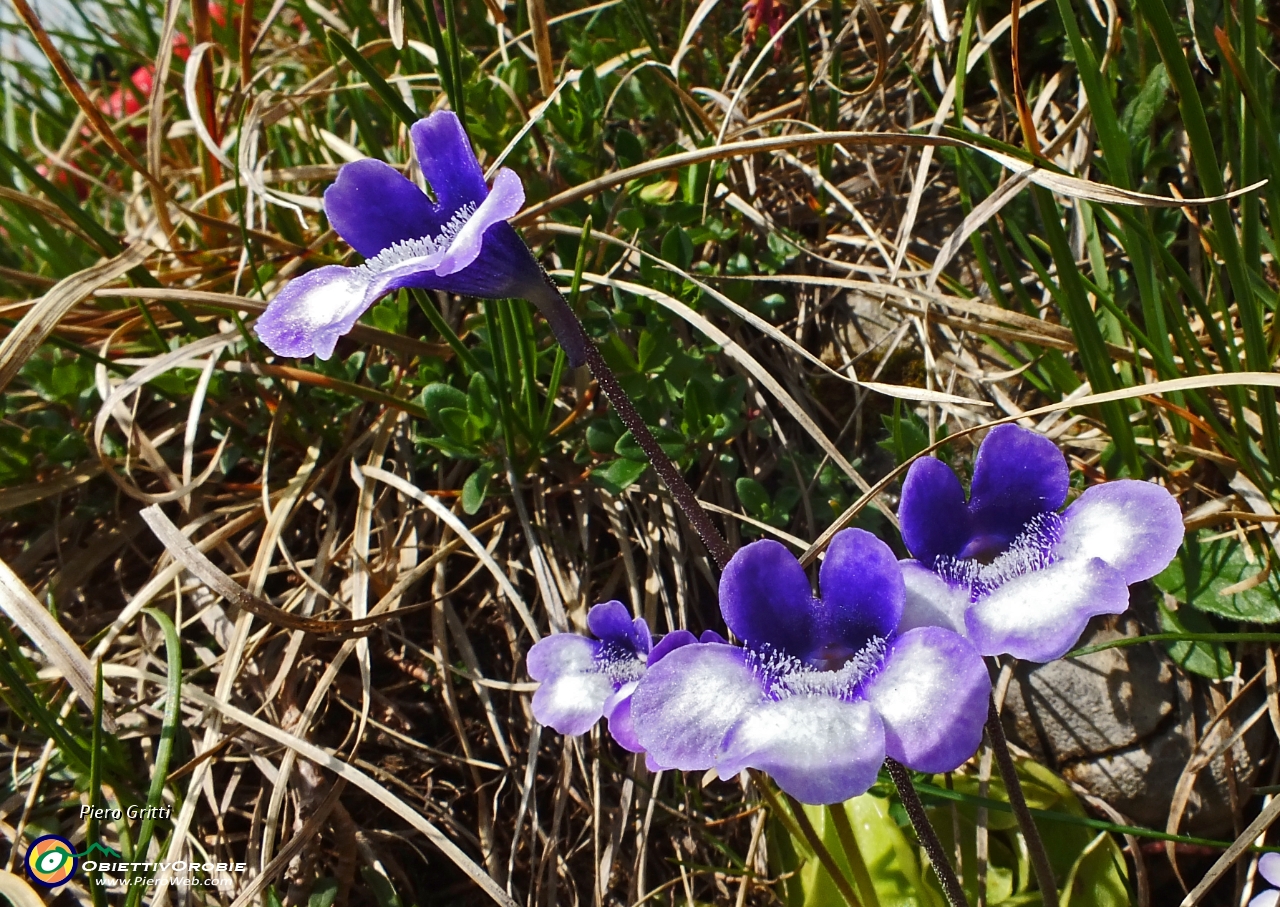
[370, 72]
[627, 148]
[1209, 573]
[436, 397]
[1207, 659]
[323, 893]
[677, 248]
[383, 891]
[474, 489]
[619, 475]
[755, 500]
[1142, 110]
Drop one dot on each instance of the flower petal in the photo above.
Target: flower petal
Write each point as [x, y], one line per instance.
[617, 708]
[610, 621]
[819, 749]
[1135, 527]
[932, 510]
[766, 599]
[1269, 866]
[1039, 616]
[561, 653]
[447, 161]
[504, 202]
[672, 641]
[862, 590]
[373, 206]
[931, 601]
[1017, 474]
[932, 697]
[312, 311]
[686, 703]
[1268, 898]
[572, 703]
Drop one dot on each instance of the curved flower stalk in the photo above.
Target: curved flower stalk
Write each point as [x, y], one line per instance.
[824, 688]
[460, 243]
[1007, 570]
[1269, 869]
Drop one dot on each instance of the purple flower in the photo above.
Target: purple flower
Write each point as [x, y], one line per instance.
[460, 243]
[1269, 867]
[824, 688]
[585, 679]
[1009, 571]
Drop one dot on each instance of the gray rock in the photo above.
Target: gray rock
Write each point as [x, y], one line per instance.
[1117, 723]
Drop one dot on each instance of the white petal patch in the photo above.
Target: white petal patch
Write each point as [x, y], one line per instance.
[1135, 527]
[819, 749]
[1039, 616]
[932, 697]
[572, 703]
[330, 308]
[685, 703]
[931, 601]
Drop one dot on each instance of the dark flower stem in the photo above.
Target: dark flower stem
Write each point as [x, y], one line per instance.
[579, 348]
[933, 848]
[1035, 846]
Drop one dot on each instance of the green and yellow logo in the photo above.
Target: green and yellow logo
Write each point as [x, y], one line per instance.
[51, 861]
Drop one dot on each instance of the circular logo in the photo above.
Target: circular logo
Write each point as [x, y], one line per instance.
[51, 861]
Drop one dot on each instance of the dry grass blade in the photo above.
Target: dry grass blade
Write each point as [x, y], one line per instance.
[1070, 186]
[1233, 853]
[1155, 388]
[343, 770]
[19, 893]
[305, 836]
[17, 602]
[541, 31]
[476, 546]
[26, 337]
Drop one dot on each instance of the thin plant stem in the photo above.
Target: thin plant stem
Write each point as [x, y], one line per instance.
[573, 337]
[858, 866]
[933, 848]
[798, 824]
[1035, 846]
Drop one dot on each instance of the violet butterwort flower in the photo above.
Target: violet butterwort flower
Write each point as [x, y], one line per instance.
[583, 680]
[824, 687]
[1269, 869]
[460, 243]
[1005, 568]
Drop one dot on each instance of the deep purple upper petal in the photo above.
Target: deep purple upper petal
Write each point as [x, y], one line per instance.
[931, 695]
[932, 511]
[447, 161]
[1039, 616]
[819, 749]
[862, 590]
[1017, 474]
[686, 703]
[672, 641]
[1135, 527]
[766, 599]
[373, 205]
[610, 622]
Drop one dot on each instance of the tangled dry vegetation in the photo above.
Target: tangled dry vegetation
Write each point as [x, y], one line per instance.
[302, 630]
